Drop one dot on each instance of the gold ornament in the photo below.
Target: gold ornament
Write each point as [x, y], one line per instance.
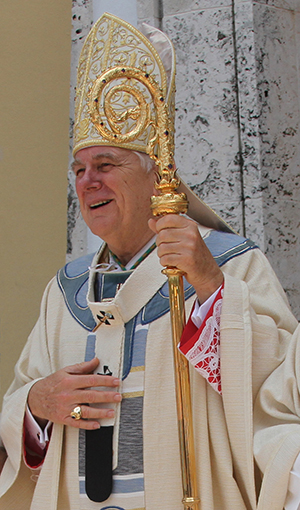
[119, 70]
[76, 414]
[125, 98]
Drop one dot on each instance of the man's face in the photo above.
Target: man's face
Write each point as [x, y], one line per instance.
[114, 194]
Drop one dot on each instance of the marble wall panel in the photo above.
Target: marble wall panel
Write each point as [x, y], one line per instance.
[283, 245]
[293, 5]
[297, 43]
[279, 116]
[82, 19]
[253, 218]
[248, 119]
[231, 212]
[278, 101]
[206, 106]
[171, 7]
[149, 12]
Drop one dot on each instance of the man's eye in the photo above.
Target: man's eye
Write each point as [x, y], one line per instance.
[79, 171]
[105, 167]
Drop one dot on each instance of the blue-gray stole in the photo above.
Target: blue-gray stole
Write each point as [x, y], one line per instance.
[73, 282]
[73, 279]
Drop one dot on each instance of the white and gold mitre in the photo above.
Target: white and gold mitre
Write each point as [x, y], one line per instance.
[124, 78]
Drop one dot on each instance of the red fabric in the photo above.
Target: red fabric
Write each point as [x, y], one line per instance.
[202, 346]
[34, 453]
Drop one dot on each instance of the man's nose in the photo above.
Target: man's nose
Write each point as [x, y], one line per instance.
[92, 178]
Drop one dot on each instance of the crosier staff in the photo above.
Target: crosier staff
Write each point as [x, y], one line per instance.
[169, 201]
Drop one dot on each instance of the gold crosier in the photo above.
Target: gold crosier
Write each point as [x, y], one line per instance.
[169, 201]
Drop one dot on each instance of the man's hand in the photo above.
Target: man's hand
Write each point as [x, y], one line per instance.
[181, 245]
[54, 397]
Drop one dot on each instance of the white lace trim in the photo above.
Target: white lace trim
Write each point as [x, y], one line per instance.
[205, 353]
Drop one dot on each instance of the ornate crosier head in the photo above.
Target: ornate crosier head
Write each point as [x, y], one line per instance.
[125, 98]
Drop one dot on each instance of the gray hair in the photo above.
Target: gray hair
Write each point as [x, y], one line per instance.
[147, 163]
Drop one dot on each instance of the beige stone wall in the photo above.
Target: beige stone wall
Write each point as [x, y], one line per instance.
[34, 110]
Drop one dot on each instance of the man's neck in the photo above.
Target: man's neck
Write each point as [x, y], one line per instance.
[125, 255]
[133, 261]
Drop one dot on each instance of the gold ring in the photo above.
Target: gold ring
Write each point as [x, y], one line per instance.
[76, 414]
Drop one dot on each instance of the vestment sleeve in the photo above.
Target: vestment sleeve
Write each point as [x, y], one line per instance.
[256, 328]
[255, 303]
[34, 364]
[277, 418]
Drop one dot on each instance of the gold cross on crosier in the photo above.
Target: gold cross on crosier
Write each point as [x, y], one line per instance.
[103, 319]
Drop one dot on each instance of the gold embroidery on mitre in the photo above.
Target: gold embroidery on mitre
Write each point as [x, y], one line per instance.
[122, 90]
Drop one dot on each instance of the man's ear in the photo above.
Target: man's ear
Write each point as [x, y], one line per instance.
[156, 178]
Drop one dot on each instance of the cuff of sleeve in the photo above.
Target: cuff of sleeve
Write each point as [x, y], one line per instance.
[200, 311]
[35, 441]
[35, 431]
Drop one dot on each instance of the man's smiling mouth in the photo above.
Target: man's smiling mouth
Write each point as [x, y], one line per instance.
[100, 204]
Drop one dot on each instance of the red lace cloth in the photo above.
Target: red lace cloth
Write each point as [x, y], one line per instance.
[202, 346]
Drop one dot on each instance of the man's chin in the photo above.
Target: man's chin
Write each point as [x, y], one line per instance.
[100, 225]
[105, 232]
